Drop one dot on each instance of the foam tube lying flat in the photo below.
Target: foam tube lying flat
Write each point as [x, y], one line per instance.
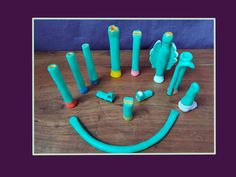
[76, 124]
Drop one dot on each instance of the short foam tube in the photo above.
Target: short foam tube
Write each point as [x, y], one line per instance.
[76, 124]
[140, 96]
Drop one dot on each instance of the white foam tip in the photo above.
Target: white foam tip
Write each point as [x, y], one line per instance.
[187, 108]
[158, 79]
[140, 93]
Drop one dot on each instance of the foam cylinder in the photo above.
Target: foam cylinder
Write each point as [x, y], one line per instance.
[74, 66]
[114, 41]
[56, 75]
[90, 64]
[190, 95]
[137, 36]
[128, 103]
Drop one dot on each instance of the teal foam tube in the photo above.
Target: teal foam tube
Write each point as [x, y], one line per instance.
[128, 103]
[90, 64]
[74, 66]
[107, 96]
[114, 40]
[184, 57]
[137, 36]
[180, 78]
[184, 63]
[164, 53]
[187, 103]
[76, 124]
[190, 95]
[177, 76]
[140, 96]
[55, 73]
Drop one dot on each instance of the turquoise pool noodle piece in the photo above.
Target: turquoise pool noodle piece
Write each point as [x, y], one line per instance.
[140, 96]
[90, 64]
[185, 62]
[55, 73]
[74, 66]
[163, 56]
[128, 103]
[110, 96]
[76, 124]
[114, 41]
[190, 95]
[137, 36]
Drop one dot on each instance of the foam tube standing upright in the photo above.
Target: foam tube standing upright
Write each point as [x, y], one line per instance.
[185, 62]
[137, 36]
[56, 75]
[114, 40]
[187, 103]
[74, 66]
[128, 103]
[90, 64]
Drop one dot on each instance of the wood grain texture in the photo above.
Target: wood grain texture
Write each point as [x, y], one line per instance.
[193, 131]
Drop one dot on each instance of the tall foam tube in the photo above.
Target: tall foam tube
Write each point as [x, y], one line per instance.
[178, 75]
[184, 57]
[184, 63]
[74, 66]
[55, 73]
[90, 64]
[114, 40]
[76, 124]
[163, 56]
[137, 36]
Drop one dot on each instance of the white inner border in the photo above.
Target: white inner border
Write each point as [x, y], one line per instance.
[70, 154]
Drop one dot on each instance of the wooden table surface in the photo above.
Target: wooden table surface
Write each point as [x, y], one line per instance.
[192, 132]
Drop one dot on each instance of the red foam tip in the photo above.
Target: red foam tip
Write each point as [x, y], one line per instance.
[72, 104]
